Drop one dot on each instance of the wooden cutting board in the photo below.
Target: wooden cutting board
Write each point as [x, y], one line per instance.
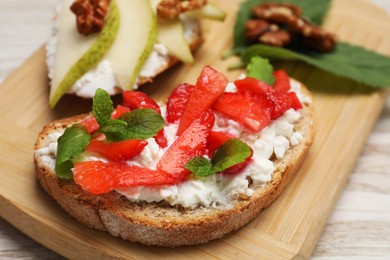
[289, 228]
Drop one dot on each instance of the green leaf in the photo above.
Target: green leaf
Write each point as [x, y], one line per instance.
[102, 107]
[141, 124]
[312, 11]
[232, 152]
[116, 131]
[199, 166]
[70, 145]
[261, 69]
[346, 60]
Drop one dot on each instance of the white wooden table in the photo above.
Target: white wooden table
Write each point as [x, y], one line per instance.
[359, 227]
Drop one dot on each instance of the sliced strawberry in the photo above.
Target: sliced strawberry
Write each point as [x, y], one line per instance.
[120, 110]
[177, 101]
[90, 124]
[190, 144]
[161, 140]
[210, 85]
[216, 139]
[251, 111]
[117, 151]
[282, 81]
[281, 103]
[253, 85]
[136, 99]
[98, 177]
[295, 103]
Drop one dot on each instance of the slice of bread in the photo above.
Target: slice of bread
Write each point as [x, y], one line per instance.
[159, 223]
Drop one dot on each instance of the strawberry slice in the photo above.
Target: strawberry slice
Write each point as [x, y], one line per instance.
[190, 144]
[251, 111]
[209, 87]
[282, 81]
[135, 99]
[98, 177]
[216, 139]
[117, 151]
[279, 96]
[295, 103]
[253, 85]
[177, 101]
[90, 124]
[120, 110]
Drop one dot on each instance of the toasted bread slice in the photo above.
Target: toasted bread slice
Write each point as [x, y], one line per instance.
[160, 224]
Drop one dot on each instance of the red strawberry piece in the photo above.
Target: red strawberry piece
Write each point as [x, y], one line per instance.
[282, 81]
[295, 103]
[161, 140]
[120, 110]
[209, 87]
[253, 85]
[90, 124]
[251, 111]
[98, 177]
[117, 151]
[281, 103]
[216, 139]
[191, 143]
[177, 101]
[136, 99]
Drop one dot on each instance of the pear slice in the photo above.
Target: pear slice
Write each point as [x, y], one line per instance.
[171, 35]
[134, 42]
[209, 11]
[77, 54]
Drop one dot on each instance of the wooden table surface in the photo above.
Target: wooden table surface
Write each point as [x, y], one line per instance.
[359, 227]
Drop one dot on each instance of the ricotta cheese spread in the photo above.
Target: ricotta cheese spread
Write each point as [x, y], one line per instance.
[102, 76]
[217, 190]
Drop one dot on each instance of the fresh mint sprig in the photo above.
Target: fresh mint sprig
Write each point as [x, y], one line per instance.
[70, 145]
[137, 124]
[142, 123]
[231, 153]
[102, 107]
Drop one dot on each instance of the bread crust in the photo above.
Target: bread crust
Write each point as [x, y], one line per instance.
[159, 224]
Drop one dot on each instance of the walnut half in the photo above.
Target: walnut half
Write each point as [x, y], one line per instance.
[290, 25]
[169, 9]
[90, 15]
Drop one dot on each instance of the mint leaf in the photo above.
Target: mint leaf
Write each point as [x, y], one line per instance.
[102, 107]
[261, 69]
[200, 166]
[71, 144]
[232, 152]
[312, 11]
[116, 130]
[346, 60]
[141, 124]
